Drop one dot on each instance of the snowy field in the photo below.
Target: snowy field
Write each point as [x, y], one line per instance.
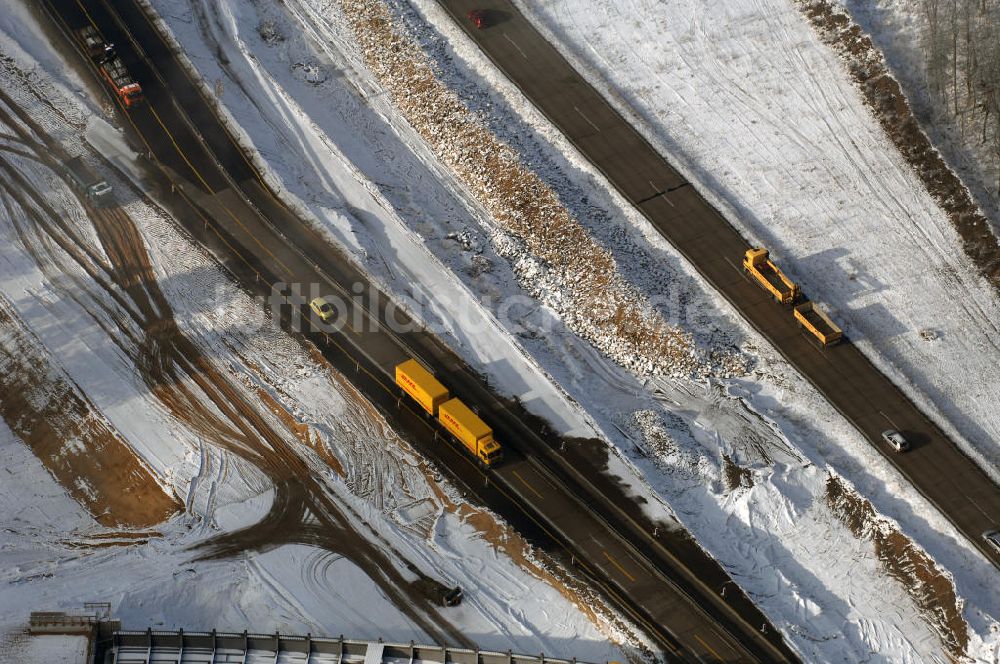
[795, 160]
[55, 554]
[46, 649]
[327, 118]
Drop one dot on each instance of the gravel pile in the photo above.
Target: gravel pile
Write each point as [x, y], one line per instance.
[553, 255]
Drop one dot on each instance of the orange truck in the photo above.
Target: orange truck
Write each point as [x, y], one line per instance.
[817, 323]
[115, 73]
[457, 418]
[112, 68]
[757, 263]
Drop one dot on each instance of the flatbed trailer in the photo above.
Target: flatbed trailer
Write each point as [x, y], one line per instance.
[757, 263]
[98, 50]
[818, 324]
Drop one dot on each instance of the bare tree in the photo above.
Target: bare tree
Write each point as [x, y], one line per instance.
[963, 66]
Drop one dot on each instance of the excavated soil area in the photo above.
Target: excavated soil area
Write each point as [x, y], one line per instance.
[77, 445]
[930, 588]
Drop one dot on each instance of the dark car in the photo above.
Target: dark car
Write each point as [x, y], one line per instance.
[453, 597]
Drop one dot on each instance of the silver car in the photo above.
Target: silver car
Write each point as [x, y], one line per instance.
[993, 537]
[896, 439]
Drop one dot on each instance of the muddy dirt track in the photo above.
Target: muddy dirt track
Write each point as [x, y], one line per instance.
[39, 402]
[194, 391]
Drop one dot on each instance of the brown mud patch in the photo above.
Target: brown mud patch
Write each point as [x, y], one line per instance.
[126, 534]
[735, 475]
[306, 434]
[930, 587]
[122, 538]
[75, 443]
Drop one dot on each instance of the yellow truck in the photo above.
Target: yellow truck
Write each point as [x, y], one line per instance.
[758, 264]
[453, 415]
[420, 384]
[471, 431]
[817, 323]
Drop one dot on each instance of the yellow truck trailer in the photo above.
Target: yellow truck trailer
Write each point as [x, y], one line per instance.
[420, 384]
[758, 264]
[817, 323]
[471, 431]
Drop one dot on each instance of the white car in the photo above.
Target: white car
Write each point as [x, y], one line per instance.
[896, 439]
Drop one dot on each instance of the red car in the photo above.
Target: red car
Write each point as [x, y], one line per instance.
[478, 18]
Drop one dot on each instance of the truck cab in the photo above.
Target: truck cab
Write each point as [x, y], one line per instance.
[490, 453]
[131, 94]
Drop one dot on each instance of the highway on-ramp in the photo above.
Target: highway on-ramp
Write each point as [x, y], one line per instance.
[221, 199]
[868, 399]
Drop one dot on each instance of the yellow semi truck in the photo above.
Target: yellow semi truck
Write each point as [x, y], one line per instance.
[817, 323]
[758, 264]
[455, 416]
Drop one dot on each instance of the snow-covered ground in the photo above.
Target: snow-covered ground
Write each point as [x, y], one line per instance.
[325, 112]
[331, 140]
[46, 649]
[55, 555]
[747, 101]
